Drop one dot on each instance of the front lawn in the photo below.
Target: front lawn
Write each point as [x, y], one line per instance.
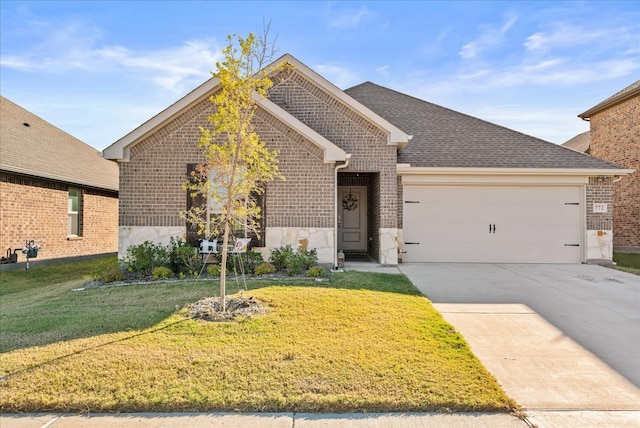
[361, 342]
[628, 262]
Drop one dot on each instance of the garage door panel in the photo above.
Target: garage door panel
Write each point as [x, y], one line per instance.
[532, 224]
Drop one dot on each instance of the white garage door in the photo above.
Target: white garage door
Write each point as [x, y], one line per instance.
[493, 224]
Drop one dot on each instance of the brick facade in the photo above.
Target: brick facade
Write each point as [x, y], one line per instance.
[599, 190]
[34, 208]
[364, 140]
[615, 137]
[150, 182]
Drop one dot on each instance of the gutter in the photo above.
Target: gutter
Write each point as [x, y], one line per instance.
[610, 102]
[335, 210]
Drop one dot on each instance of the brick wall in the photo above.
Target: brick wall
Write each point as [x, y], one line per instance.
[599, 190]
[34, 208]
[364, 140]
[150, 183]
[615, 137]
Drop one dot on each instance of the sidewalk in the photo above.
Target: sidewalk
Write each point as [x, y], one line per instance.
[264, 420]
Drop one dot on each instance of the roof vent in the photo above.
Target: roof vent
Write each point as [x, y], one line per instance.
[26, 124]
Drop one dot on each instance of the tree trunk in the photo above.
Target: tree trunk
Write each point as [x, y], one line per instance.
[223, 268]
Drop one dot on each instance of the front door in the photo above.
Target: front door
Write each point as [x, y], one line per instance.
[352, 218]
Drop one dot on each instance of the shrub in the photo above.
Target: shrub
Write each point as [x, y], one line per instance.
[249, 261]
[279, 256]
[309, 258]
[315, 272]
[213, 270]
[145, 257]
[162, 272]
[183, 258]
[294, 262]
[265, 268]
[108, 271]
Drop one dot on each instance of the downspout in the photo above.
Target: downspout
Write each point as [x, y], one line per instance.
[335, 211]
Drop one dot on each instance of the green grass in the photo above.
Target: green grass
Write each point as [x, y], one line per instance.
[20, 280]
[628, 262]
[361, 342]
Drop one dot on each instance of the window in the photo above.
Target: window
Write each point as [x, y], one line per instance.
[74, 220]
[212, 209]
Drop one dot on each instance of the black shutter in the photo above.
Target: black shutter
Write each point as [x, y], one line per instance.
[193, 201]
[261, 200]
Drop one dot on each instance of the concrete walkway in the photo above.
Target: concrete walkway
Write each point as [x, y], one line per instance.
[263, 420]
[562, 340]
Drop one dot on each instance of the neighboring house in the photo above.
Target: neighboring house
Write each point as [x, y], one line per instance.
[615, 137]
[375, 172]
[579, 143]
[54, 189]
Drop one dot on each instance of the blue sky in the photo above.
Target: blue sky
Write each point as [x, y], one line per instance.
[98, 69]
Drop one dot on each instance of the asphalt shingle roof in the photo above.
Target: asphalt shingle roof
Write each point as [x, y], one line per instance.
[580, 142]
[447, 138]
[42, 150]
[633, 90]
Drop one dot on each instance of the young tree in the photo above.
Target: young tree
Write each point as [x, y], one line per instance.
[237, 163]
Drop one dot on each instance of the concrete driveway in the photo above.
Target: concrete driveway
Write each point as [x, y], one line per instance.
[557, 337]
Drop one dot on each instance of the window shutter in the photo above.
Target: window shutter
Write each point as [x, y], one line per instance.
[195, 201]
[261, 200]
[81, 212]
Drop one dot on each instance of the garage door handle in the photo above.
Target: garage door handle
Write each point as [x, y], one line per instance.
[571, 245]
[411, 243]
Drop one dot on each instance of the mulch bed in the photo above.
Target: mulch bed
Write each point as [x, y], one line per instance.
[210, 309]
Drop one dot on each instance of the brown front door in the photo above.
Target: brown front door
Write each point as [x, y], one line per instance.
[352, 218]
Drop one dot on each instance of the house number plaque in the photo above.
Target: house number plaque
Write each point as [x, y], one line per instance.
[599, 208]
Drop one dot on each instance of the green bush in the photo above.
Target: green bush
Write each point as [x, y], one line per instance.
[145, 257]
[250, 260]
[293, 261]
[309, 258]
[108, 271]
[183, 258]
[280, 256]
[315, 272]
[265, 268]
[162, 272]
[213, 270]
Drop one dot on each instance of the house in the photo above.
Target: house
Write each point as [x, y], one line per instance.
[54, 190]
[615, 136]
[580, 143]
[377, 173]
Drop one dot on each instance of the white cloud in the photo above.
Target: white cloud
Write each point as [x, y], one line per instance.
[383, 70]
[176, 68]
[491, 36]
[565, 35]
[346, 20]
[340, 76]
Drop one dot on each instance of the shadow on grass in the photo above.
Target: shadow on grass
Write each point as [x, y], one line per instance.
[89, 348]
[57, 313]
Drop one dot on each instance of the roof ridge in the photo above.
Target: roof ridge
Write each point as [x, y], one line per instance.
[455, 111]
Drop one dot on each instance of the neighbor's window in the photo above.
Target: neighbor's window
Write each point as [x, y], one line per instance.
[74, 220]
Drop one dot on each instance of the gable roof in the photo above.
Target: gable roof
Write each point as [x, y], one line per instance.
[120, 149]
[627, 93]
[395, 135]
[32, 146]
[579, 143]
[444, 138]
[332, 153]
